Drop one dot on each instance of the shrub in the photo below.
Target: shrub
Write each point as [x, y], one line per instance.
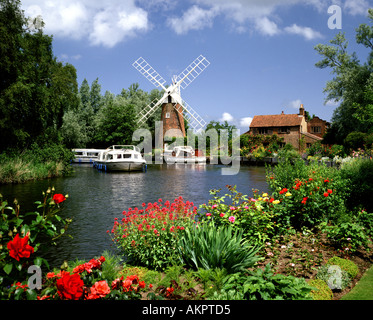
[359, 174]
[208, 247]
[321, 291]
[316, 194]
[149, 237]
[347, 265]
[263, 284]
[240, 212]
[348, 236]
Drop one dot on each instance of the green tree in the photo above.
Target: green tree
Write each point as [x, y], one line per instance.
[351, 85]
[116, 123]
[35, 89]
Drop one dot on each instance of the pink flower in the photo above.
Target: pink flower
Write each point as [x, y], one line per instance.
[232, 219]
[208, 214]
[222, 214]
[232, 208]
[214, 206]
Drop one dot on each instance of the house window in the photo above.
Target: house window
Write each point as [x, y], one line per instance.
[263, 131]
[283, 130]
[316, 129]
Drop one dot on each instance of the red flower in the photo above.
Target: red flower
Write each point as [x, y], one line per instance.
[330, 191]
[283, 190]
[70, 287]
[99, 290]
[304, 200]
[326, 194]
[18, 247]
[169, 291]
[58, 198]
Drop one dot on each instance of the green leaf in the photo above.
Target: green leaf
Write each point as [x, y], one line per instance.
[8, 268]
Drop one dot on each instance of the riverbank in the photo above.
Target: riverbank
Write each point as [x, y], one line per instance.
[19, 171]
[34, 164]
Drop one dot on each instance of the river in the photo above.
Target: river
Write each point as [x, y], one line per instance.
[96, 198]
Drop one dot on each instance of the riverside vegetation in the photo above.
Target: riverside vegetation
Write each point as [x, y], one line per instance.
[285, 244]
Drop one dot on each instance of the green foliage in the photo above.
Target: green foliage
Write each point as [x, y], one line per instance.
[208, 247]
[347, 265]
[35, 89]
[348, 236]
[352, 84]
[359, 173]
[263, 284]
[321, 291]
[239, 212]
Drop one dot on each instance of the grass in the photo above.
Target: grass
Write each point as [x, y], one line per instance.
[19, 170]
[363, 290]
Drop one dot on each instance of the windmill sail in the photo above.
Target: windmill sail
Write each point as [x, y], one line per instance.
[192, 71]
[191, 116]
[149, 73]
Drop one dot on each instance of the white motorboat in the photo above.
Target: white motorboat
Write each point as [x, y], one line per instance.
[121, 158]
[183, 154]
[85, 155]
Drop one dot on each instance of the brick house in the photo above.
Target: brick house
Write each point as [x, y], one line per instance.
[294, 128]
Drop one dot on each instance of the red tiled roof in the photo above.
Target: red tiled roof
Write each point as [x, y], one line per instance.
[278, 120]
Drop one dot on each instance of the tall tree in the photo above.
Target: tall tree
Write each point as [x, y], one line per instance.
[351, 85]
[35, 89]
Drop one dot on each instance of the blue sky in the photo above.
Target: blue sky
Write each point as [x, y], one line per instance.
[261, 51]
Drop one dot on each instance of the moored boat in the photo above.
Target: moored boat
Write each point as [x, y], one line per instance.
[85, 155]
[183, 154]
[120, 158]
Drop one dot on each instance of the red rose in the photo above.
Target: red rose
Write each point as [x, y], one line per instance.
[70, 287]
[18, 247]
[58, 198]
[99, 290]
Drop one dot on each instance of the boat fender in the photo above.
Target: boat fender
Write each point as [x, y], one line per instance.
[105, 167]
[192, 153]
[173, 153]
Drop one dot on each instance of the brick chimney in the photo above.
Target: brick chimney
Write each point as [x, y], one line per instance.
[301, 110]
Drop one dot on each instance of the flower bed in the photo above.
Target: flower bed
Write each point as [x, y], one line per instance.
[236, 246]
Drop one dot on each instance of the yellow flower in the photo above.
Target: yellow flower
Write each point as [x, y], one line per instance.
[276, 202]
[260, 198]
[265, 194]
[288, 194]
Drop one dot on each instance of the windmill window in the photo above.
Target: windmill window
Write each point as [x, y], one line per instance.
[167, 115]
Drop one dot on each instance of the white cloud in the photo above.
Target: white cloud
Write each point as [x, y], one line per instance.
[267, 27]
[245, 122]
[306, 32]
[103, 22]
[195, 18]
[357, 7]
[226, 117]
[295, 104]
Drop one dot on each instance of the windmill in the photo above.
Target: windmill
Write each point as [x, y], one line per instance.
[174, 109]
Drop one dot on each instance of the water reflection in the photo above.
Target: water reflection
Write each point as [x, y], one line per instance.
[96, 198]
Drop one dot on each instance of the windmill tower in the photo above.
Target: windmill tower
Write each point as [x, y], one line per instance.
[174, 109]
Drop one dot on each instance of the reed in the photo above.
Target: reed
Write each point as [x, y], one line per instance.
[19, 170]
